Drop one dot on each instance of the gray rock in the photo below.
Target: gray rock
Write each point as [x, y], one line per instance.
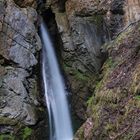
[82, 33]
[22, 56]
[22, 39]
[15, 101]
[19, 48]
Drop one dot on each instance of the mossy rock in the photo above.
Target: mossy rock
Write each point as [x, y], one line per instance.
[76, 73]
[7, 137]
[20, 132]
[24, 133]
[96, 19]
[27, 133]
[7, 121]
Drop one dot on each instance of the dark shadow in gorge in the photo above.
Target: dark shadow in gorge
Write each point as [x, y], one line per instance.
[49, 19]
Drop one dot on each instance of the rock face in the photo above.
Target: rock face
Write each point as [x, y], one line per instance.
[19, 48]
[26, 3]
[100, 57]
[113, 110]
[82, 34]
[88, 29]
[132, 9]
[20, 33]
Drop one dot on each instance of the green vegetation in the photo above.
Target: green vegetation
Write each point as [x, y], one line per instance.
[23, 134]
[6, 120]
[97, 19]
[66, 67]
[6, 137]
[90, 101]
[21, 131]
[80, 133]
[110, 63]
[98, 85]
[80, 76]
[76, 73]
[26, 132]
[137, 97]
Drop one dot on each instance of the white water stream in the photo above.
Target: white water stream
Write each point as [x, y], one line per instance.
[59, 117]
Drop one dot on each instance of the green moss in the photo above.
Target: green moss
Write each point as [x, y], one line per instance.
[26, 132]
[96, 115]
[41, 109]
[23, 133]
[80, 76]
[119, 40]
[77, 74]
[90, 101]
[7, 121]
[110, 63]
[80, 133]
[137, 97]
[129, 136]
[99, 85]
[135, 84]
[20, 132]
[99, 19]
[110, 127]
[66, 67]
[96, 19]
[6, 137]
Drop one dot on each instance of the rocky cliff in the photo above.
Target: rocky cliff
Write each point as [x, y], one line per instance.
[98, 45]
[101, 60]
[19, 74]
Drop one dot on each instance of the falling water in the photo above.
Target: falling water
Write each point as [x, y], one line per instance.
[59, 117]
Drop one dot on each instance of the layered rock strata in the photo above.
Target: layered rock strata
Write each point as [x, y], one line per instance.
[19, 52]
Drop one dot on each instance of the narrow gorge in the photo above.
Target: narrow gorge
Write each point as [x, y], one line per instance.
[75, 76]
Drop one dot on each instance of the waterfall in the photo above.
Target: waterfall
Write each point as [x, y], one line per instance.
[59, 117]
